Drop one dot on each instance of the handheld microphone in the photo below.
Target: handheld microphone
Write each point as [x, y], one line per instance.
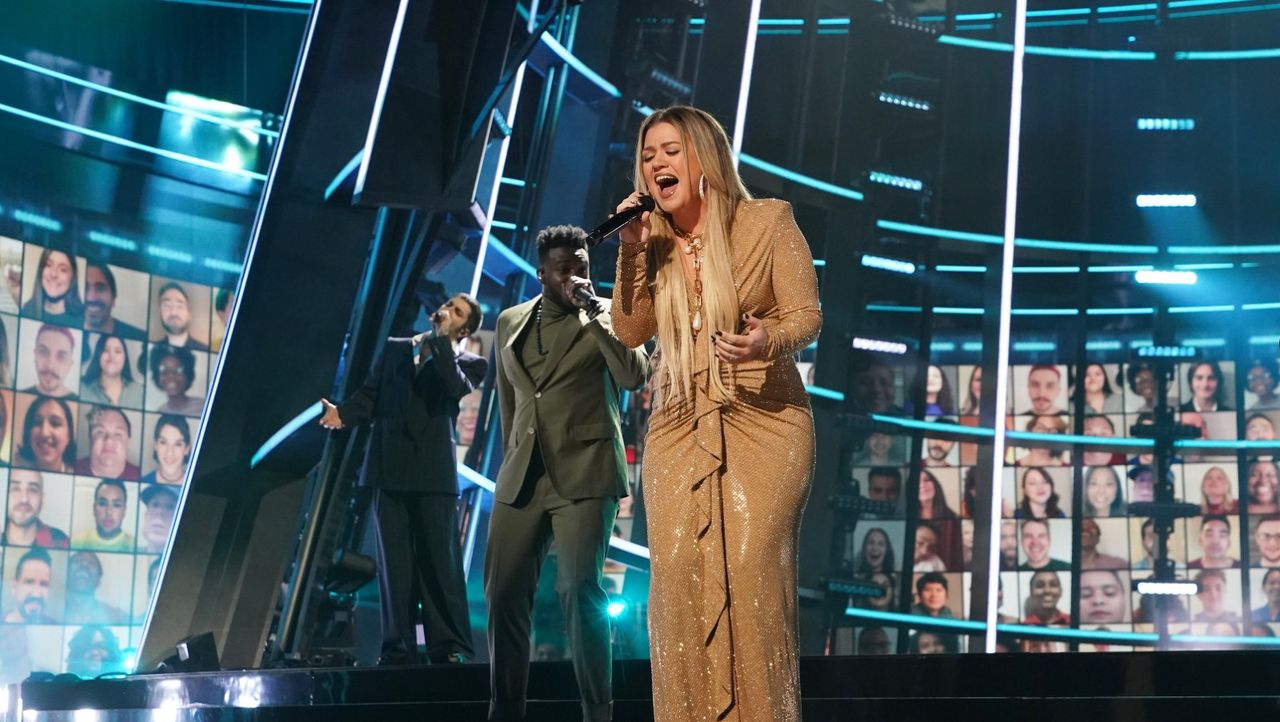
[592, 303]
[618, 220]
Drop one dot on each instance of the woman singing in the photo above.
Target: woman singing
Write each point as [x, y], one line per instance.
[727, 285]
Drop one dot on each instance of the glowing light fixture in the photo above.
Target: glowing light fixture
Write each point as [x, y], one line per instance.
[1166, 200]
[879, 345]
[889, 264]
[1166, 278]
[1166, 123]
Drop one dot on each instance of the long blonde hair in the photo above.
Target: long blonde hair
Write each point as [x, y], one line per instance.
[701, 134]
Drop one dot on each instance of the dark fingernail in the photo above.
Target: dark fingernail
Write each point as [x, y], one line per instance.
[717, 333]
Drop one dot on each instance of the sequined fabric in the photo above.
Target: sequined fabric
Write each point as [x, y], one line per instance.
[725, 483]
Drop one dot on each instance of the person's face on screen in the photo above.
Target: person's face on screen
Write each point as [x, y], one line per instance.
[930, 643]
[1089, 534]
[469, 416]
[873, 640]
[98, 298]
[926, 492]
[938, 449]
[1260, 381]
[158, 519]
[1037, 487]
[56, 275]
[1097, 426]
[1267, 535]
[171, 452]
[1149, 540]
[31, 589]
[108, 510]
[113, 358]
[1144, 486]
[109, 444]
[882, 487]
[175, 313]
[885, 600]
[874, 388]
[53, 360]
[1094, 379]
[1204, 383]
[1271, 588]
[26, 496]
[1042, 388]
[1213, 589]
[1101, 597]
[556, 270]
[49, 435]
[1035, 543]
[1262, 482]
[1259, 428]
[1144, 382]
[874, 547]
[84, 572]
[1009, 543]
[926, 543]
[1215, 486]
[1191, 418]
[933, 597]
[933, 380]
[1101, 489]
[1046, 591]
[966, 539]
[975, 383]
[171, 380]
[879, 445]
[1215, 539]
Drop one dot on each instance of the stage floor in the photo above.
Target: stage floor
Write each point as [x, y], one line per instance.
[1097, 687]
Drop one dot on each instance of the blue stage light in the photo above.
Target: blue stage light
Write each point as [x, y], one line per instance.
[37, 220]
[1153, 351]
[1166, 123]
[114, 241]
[896, 181]
[904, 101]
[1166, 278]
[616, 608]
[889, 264]
[1165, 200]
[879, 345]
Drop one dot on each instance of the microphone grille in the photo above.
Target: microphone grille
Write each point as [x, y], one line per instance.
[646, 202]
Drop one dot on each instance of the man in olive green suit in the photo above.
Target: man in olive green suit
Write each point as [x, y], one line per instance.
[559, 368]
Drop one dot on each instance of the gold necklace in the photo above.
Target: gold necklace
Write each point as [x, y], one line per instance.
[693, 247]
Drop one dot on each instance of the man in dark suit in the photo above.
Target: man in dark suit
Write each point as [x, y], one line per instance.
[412, 396]
[559, 369]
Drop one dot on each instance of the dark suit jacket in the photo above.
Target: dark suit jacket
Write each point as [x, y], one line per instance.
[571, 413]
[413, 410]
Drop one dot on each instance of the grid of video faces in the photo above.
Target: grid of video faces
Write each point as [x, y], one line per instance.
[1238, 505]
[103, 375]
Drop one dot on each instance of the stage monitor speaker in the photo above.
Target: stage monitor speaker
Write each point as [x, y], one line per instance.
[431, 115]
[197, 653]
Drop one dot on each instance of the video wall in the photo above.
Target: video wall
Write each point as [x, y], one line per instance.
[1068, 547]
[103, 375]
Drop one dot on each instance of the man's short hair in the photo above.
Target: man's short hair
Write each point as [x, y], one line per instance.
[1215, 517]
[34, 554]
[153, 490]
[96, 413]
[106, 273]
[1045, 367]
[1266, 518]
[116, 483]
[1042, 522]
[50, 328]
[560, 237]
[1204, 574]
[173, 286]
[892, 472]
[475, 315]
[1267, 576]
[930, 578]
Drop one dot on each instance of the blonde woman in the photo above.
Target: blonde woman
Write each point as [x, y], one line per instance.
[727, 285]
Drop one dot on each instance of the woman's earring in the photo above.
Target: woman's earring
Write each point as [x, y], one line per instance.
[702, 187]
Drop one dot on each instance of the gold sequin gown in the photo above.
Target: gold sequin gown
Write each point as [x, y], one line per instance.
[725, 483]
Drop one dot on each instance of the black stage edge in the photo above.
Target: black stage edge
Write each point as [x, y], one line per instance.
[1051, 687]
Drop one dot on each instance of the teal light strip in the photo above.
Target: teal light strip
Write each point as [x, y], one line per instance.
[781, 22]
[934, 426]
[108, 239]
[971, 345]
[219, 264]
[1259, 306]
[1201, 3]
[1127, 19]
[824, 393]
[1027, 346]
[1063, 12]
[1020, 242]
[1119, 269]
[1125, 8]
[958, 310]
[1136, 311]
[819, 263]
[1263, 249]
[170, 254]
[939, 232]
[1233, 444]
[347, 170]
[572, 61]
[242, 6]
[1264, 340]
[834, 21]
[886, 308]
[1081, 53]
[37, 220]
[944, 268]
[504, 225]
[1056, 23]
[512, 257]
[1046, 269]
[1202, 266]
[133, 145]
[1202, 309]
[517, 182]
[1255, 54]
[224, 122]
[795, 177]
[1103, 345]
[1044, 312]
[1223, 11]
[308, 414]
[1206, 342]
